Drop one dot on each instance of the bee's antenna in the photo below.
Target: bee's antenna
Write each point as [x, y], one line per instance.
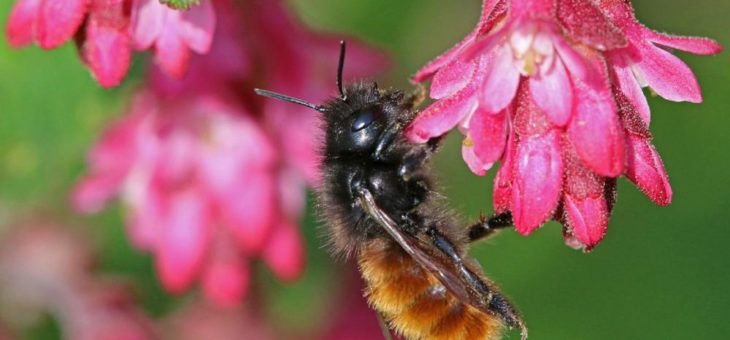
[288, 99]
[340, 66]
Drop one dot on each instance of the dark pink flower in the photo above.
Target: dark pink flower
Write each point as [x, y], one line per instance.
[536, 85]
[201, 180]
[105, 35]
[45, 267]
[48, 22]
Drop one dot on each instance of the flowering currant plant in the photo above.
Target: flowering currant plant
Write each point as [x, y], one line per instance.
[213, 179]
[553, 91]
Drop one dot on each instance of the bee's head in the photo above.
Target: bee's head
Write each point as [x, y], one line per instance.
[357, 118]
[355, 123]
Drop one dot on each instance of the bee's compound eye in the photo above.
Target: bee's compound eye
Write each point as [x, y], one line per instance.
[363, 120]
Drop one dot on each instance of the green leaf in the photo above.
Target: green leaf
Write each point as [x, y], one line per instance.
[180, 4]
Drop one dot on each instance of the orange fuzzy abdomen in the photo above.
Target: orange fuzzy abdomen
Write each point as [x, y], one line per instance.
[414, 302]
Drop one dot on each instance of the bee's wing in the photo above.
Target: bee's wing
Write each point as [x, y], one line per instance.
[444, 272]
[459, 280]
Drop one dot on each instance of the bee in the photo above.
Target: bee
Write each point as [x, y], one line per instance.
[378, 201]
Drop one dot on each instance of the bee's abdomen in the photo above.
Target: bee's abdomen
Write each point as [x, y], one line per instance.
[414, 302]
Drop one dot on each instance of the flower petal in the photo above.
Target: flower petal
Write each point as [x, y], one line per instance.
[588, 219]
[21, 23]
[595, 130]
[553, 93]
[284, 252]
[577, 65]
[249, 209]
[489, 133]
[442, 115]
[502, 194]
[537, 183]
[171, 53]
[58, 21]
[148, 20]
[226, 279]
[452, 78]
[107, 50]
[586, 201]
[92, 193]
[490, 11]
[198, 26]
[185, 240]
[695, 45]
[668, 76]
[631, 89]
[475, 164]
[501, 82]
[646, 170]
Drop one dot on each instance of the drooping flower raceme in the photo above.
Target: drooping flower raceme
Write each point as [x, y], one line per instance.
[106, 30]
[552, 90]
[211, 177]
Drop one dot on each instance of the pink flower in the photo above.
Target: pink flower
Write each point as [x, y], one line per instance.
[643, 62]
[213, 178]
[46, 268]
[105, 37]
[172, 33]
[201, 179]
[551, 89]
[104, 41]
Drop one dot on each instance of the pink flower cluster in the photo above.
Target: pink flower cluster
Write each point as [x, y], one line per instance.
[107, 30]
[46, 267]
[212, 178]
[552, 90]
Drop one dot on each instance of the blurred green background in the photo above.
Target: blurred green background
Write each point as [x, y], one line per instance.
[661, 273]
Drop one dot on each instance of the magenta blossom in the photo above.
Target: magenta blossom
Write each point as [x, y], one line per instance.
[552, 90]
[106, 30]
[204, 191]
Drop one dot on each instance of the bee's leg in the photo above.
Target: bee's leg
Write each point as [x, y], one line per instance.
[487, 226]
[495, 301]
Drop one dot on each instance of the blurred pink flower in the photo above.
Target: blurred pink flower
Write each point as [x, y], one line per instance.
[535, 86]
[201, 179]
[199, 320]
[212, 178]
[44, 268]
[104, 35]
